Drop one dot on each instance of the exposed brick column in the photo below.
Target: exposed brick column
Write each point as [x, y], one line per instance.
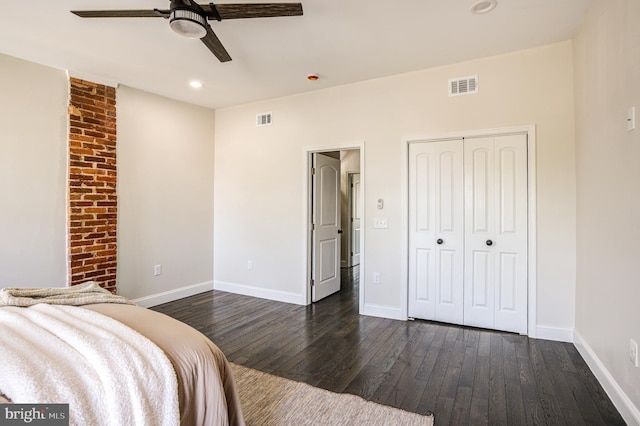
[93, 203]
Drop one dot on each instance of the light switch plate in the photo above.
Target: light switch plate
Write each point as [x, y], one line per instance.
[380, 223]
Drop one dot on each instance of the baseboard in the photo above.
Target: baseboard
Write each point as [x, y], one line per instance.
[171, 295]
[629, 412]
[555, 333]
[262, 293]
[389, 312]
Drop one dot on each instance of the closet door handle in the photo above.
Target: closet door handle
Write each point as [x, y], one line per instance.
[489, 242]
[439, 241]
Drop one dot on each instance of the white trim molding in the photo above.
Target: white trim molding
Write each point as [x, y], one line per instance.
[629, 412]
[389, 312]
[555, 333]
[260, 292]
[171, 295]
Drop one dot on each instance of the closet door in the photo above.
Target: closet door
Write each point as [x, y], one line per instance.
[436, 231]
[495, 271]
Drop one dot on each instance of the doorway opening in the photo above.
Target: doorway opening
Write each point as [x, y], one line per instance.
[334, 202]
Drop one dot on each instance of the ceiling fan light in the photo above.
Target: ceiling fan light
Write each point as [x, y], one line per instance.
[188, 23]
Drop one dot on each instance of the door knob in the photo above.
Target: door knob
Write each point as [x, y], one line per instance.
[489, 242]
[339, 231]
[439, 241]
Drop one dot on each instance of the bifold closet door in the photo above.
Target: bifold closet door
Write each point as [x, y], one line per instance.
[436, 234]
[495, 275]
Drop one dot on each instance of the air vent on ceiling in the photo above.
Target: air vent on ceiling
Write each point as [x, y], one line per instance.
[463, 86]
[263, 119]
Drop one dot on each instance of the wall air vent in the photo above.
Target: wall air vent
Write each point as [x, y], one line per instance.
[463, 86]
[263, 119]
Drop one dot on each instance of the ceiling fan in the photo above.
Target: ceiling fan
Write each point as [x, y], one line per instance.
[189, 19]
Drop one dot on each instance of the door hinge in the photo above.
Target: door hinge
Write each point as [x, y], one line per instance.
[312, 283]
[313, 170]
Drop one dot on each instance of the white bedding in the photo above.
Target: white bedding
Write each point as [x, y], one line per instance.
[58, 352]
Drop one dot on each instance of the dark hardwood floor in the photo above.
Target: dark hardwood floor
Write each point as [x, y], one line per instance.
[464, 376]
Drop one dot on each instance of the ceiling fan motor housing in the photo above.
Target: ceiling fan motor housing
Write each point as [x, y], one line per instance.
[187, 22]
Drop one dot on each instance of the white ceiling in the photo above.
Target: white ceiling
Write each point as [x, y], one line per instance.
[344, 41]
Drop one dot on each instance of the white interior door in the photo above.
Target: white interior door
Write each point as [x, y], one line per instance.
[495, 277]
[436, 231]
[354, 197]
[326, 226]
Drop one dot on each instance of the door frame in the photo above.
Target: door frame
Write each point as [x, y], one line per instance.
[530, 131]
[307, 213]
[349, 225]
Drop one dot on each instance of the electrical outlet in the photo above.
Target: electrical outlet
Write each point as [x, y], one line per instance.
[376, 277]
[157, 270]
[249, 264]
[633, 352]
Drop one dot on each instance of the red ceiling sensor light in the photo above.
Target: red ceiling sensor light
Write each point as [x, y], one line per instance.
[313, 77]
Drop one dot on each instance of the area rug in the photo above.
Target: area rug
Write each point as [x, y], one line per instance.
[269, 400]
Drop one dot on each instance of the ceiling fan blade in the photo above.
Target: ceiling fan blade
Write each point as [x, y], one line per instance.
[252, 10]
[215, 46]
[155, 13]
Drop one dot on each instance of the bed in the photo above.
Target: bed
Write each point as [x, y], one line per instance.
[113, 362]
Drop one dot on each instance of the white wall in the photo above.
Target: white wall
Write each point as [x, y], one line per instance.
[165, 196]
[607, 83]
[165, 185]
[33, 174]
[259, 172]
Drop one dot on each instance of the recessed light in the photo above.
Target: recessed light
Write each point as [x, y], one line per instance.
[195, 84]
[483, 6]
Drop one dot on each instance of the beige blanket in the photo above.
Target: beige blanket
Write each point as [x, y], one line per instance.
[82, 294]
[206, 388]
